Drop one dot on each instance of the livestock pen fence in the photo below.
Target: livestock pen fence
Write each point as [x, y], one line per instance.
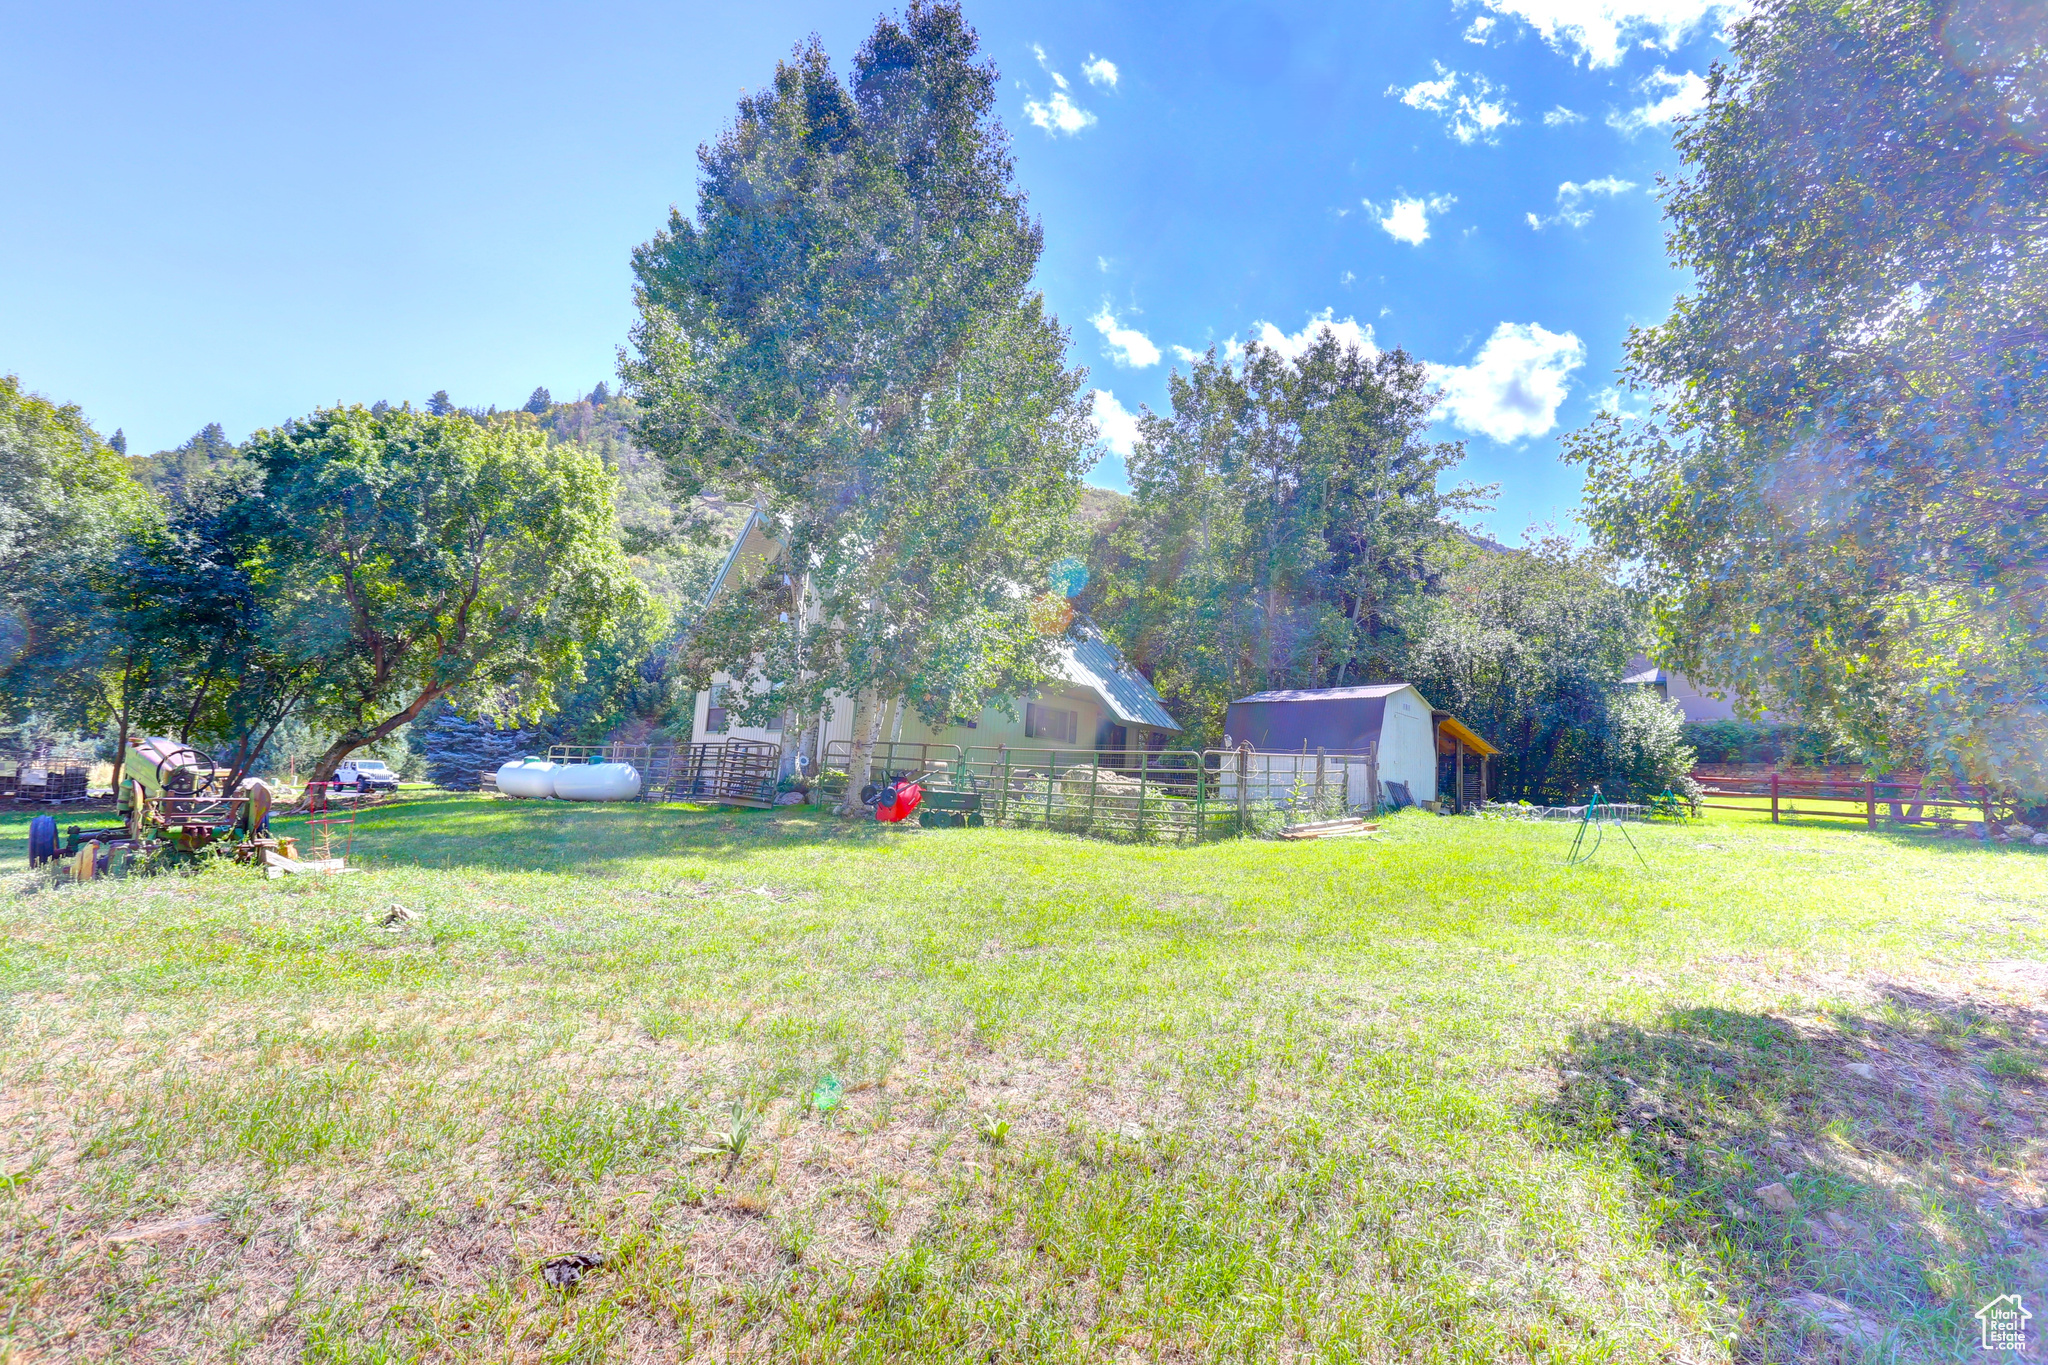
[734, 772]
[1168, 795]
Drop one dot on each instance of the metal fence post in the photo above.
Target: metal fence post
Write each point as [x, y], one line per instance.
[1094, 785]
[1048, 787]
[1774, 798]
[1243, 781]
[1003, 806]
[1201, 795]
[1143, 759]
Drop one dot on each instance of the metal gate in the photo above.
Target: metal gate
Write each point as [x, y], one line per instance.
[730, 773]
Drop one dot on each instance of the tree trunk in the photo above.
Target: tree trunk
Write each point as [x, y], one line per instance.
[350, 741]
[859, 763]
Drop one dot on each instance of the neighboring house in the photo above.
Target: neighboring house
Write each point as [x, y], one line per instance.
[1696, 703]
[1429, 752]
[1099, 702]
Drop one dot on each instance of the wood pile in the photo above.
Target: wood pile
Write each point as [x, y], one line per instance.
[1348, 827]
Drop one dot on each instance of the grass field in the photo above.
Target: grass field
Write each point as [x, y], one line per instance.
[828, 1092]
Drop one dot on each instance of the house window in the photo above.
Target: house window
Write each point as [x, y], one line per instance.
[1049, 722]
[714, 714]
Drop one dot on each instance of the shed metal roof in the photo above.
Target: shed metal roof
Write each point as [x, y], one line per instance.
[1328, 693]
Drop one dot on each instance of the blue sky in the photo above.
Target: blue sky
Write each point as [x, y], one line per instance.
[239, 213]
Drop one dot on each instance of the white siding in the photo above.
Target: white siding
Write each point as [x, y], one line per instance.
[1408, 744]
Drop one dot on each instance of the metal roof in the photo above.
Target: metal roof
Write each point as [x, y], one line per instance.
[765, 550]
[1088, 660]
[1085, 658]
[1327, 693]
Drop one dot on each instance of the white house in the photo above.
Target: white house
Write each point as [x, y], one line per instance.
[1099, 703]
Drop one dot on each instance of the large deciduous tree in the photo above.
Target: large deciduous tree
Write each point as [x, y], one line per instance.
[1283, 521]
[1838, 502]
[422, 557]
[846, 334]
[72, 644]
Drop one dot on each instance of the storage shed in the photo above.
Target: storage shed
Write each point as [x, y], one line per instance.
[1412, 740]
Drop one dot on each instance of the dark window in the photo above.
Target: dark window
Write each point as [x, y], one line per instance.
[1112, 738]
[1049, 722]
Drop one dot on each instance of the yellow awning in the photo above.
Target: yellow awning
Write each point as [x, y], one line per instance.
[1450, 728]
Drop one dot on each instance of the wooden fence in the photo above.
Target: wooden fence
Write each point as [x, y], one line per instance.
[1873, 802]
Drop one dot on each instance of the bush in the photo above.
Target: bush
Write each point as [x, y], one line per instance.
[1761, 742]
[1649, 752]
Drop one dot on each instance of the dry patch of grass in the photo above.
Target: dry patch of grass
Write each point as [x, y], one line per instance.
[1871, 1165]
[815, 1093]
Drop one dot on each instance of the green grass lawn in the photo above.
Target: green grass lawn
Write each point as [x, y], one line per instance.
[828, 1092]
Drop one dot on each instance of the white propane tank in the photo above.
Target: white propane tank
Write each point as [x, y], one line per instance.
[597, 781]
[528, 777]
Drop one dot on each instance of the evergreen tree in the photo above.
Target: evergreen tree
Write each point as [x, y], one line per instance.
[176, 473]
[459, 749]
[439, 405]
[540, 401]
[600, 395]
[118, 443]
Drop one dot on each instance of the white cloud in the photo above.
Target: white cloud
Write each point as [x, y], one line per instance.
[1099, 71]
[1561, 117]
[1466, 102]
[1611, 399]
[1102, 264]
[1672, 95]
[1058, 114]
[1118, 424]
[1479, 28]
[1514, 386]
[1128, 346]
[1347, 279]
[1228, 352]
[1571, 201]
[1406, 219]
[1349, 332]
[1600, 31]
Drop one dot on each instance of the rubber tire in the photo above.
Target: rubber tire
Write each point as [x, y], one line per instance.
[42, 840]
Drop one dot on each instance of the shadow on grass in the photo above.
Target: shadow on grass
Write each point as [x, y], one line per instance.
[1846, 1178]
[503, 835]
